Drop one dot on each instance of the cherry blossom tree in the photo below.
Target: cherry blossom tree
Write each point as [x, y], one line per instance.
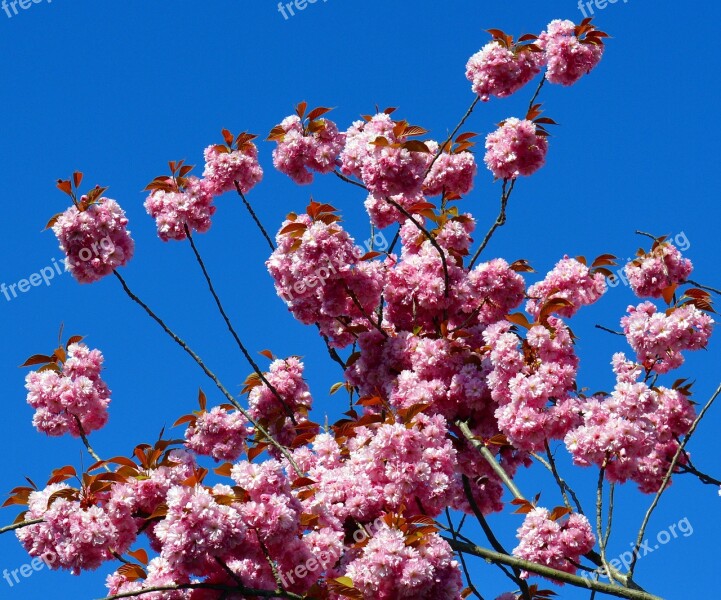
[459, 372]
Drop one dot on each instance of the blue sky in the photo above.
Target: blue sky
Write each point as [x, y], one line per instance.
[118, 89]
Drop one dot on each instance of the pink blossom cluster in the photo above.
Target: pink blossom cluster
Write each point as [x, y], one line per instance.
[569, 280]
[74, 394]
[554, 543]
[96, 241]
[382, 213]
[197, 528]
[159, 574]
[172, 210]
[223, 169]
[633, 432]
[78, 536]
[320, 278]
[388, 568]
[532, 382]
[649, 275]
[451, 174]
[415, 287]
[386, 468]
[286, 377]
[385, 170]
[659, 338]
[299, 153]
[568, 58]
[499, 71]
[219, 433]
[516, 148]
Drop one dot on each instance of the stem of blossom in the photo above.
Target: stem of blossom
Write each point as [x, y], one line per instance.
[240, 344]
[667, 478]
[331, 351]
[84, 437]
[434, 243]
[15, 526]
[538, 91]
[599, 521]
[359, 306]
[703, 287]
[497, 546]
[208, 586]
[606, 329]
[255, 217]
[703, 478]
[565, 488]
[462, 556]
[349, 180]
[488, 455]
[500, 220]
[455, 131]
[549, 573]
[508, 482]
[212, 376]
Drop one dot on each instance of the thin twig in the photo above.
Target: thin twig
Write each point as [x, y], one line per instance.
[212, 376]
[455, 131]
[462, 556]
[500, 220]
[255, 217]
[606, 329]
[89, 448]
[434, 243]
[497, 546]
[549, 573]
[704, 287]
[349, 180]
[15, 526]
[228, 323]
[488, 455]
[207, 586]
[359, 306]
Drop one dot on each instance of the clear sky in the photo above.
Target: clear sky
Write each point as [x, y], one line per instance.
[116, 89]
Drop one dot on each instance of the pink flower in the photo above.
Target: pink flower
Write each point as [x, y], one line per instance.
[634, 431]
[224, 166]
[388, 568]
[74, 394]
[197, 528]
[570, 54]
[553, 542]
[219, 433]
[190, 203]
[96, 241]
[73, 535]
[451, 174]
[318, 272]
[659, 338]
[649, 275]
[389, 168]
[286, 377]
[301, 151]
[499, 71]
[569, 280]
[515, 148]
